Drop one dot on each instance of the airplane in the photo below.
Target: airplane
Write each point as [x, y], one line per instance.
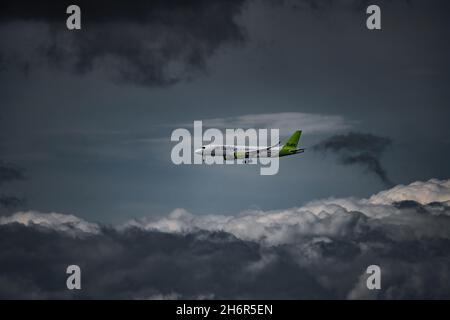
[231, 152]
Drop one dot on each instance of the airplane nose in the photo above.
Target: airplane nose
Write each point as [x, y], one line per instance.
[198, 151]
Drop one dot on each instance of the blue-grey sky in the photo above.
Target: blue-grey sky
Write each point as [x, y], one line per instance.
[88, 114]
[86, 176]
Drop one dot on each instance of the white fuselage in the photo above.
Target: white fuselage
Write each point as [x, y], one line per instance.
[229, 152]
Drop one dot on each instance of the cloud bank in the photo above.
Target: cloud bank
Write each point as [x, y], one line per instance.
[319, 250]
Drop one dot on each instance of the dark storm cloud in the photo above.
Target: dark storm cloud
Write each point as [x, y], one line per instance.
[153, 43]
[140, 264]
[9, 173]
[300, 255]
[10, 202]
[360, 149]
[327, 5]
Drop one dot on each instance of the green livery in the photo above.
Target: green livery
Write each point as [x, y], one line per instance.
[290, 147]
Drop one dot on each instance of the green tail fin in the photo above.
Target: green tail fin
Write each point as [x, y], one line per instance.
[293, 140]
[291, 144]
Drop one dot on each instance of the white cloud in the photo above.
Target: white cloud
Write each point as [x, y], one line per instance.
[69, 224]
[287, 122]
[327, 243]
[324, 218]
[433, 190]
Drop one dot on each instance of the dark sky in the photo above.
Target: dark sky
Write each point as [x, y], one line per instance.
[86, 176]
[87, 115]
